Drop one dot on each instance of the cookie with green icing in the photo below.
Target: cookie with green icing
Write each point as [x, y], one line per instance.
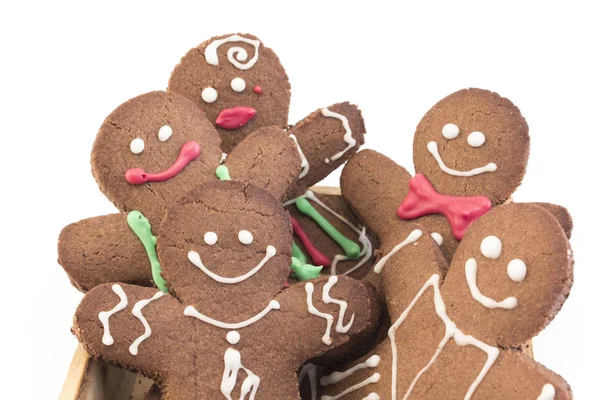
[227, 329]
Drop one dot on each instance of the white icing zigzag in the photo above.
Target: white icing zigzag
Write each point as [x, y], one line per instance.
[104, 316]
[137, 312]
[347, 136]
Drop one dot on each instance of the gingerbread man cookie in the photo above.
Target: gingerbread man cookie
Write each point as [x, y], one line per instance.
[226, 328]
[470, 154]
[457, 335]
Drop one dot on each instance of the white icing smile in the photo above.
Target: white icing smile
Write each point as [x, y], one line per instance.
[433, 149]
[508, 303]
[194, 257]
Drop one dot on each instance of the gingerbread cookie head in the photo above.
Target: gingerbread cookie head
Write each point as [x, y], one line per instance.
[238, 82]
[153, 149]
[511, 274]
[226, 243]
[473, 143]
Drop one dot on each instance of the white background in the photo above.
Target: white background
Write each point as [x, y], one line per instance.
[63, 68]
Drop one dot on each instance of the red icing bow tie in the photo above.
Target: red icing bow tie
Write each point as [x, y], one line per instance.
[461, 212]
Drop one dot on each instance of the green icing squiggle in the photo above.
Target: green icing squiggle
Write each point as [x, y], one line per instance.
[303, 271]
[351, 248]
[298, 253]
[142, 229]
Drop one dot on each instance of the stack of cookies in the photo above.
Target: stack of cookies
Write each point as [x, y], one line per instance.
[225, 276]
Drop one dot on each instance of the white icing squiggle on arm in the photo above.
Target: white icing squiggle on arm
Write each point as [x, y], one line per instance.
[190, 311]
[310, 288]
[304, 162]
[327, 299]
[508, 303]
[347, 136]
[336, 377]
[104, 316]
[234, 54]
[412, 237]
[433, 149]
[137, 312]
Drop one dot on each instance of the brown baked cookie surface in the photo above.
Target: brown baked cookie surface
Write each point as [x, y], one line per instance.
[238, 82]
[473, 143]
[227, 329]
[152, 150]
[452, 333]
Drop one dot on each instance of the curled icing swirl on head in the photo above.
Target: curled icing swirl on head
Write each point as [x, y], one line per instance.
[236, 55]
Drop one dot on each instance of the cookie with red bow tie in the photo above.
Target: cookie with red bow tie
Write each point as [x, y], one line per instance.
[227, 329]
[456, 331]
[470, 153]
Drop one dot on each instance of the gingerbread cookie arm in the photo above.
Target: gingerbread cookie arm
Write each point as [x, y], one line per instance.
[562, 216]
[322, 314]
[266, 158]
[134, 327]
[327, 138]
[103, 249]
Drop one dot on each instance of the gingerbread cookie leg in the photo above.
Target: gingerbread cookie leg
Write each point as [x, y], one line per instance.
[326, 139]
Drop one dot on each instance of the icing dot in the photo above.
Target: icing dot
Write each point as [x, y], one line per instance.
[245, 237]
[516, 270]
[233, 337]
[238, 84]
[164, 133]
[450, 131]
[257, 89]
[476, 139]
[209, 95]
[491, 247]
[210, 238]
[438, 238]
[136, 146]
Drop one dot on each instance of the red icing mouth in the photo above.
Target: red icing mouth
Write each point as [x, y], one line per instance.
[235, 117]
[189, 151]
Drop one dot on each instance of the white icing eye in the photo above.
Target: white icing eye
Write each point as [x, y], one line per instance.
[450, 131]
[209, 95]
[438, 238]
[245, 237]
[516, 270]
[491, 247]
[210, 238]
[137, 146]
[238, 84]
[164, 133]
[476, 139]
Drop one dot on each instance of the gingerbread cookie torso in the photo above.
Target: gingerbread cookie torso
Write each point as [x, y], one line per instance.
[227, 325]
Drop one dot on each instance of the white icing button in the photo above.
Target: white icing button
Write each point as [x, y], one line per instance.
[210, 238]
[136, 146]
[450, 131]
[516, 270]
[238, 84]
[491, 247]
[233, 337]
[476, 139]
[438, 238]
[164, 133]
[245, 237]
[209, 95]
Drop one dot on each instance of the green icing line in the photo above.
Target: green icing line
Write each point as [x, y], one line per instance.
[351, 248]
[303, 271]
[223, 173]
[142, 229]
[297, 253]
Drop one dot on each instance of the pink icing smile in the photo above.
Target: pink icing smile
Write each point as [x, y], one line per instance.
[189, 151]
[235, 117]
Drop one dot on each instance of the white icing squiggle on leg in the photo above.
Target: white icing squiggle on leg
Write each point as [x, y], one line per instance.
[347, 136]
[309, 370]
[137, 312]
[304, 162]
[412, 237]
[335, 377]
[327, 299]
[452, 331]
[233, 364]
[104, 316]
[372, 379]
[310, 288]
